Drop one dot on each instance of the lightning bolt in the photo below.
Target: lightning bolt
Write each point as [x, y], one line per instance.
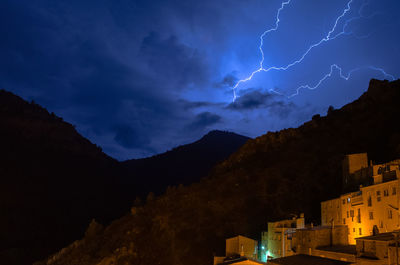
[330, 36]
[341, 75]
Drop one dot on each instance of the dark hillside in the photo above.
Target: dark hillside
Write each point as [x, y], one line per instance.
[53, 182]
[269, 178]
[185, 164]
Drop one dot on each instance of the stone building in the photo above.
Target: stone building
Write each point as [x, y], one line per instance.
[241, 245]
[239, 249]
[281, 236]
[311, 238]
[373, 208]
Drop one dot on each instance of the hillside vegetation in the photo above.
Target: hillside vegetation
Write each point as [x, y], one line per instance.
[270, 177]
[53, 181]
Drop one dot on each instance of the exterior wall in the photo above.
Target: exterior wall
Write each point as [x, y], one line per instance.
[232, 246]
[331, 211]
[334, 255]
[241, 245]
[281, 235]
[372, 206]
[381, 203]
[356, 171]
[218, 260]
[392, 257]
[355, 162]
[364, 261]
[309, 239]
[372, 249]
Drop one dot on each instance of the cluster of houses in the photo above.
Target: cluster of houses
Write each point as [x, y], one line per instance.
[360, 227]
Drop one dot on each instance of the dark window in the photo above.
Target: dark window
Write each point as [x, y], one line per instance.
[371, 215]
[394, 191]
[369, 201]
[385, 193]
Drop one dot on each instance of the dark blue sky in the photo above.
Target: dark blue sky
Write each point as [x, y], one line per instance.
[141, 77]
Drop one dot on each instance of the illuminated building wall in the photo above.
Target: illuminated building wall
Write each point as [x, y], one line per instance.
[308, 239]
[242, 246]
[281, 235]
[372, 208]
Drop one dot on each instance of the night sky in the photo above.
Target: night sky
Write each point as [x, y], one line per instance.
[140, 77]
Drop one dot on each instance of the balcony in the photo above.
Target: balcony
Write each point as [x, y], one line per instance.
[357, 200]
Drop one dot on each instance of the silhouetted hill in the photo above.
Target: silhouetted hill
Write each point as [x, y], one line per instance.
[185, 164]
[53, 181]
[268, 178]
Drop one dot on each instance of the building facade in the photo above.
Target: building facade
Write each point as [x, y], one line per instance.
[241, 245]
[281, 236]
[372, 209]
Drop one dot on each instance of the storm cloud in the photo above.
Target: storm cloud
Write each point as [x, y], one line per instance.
[139, 77]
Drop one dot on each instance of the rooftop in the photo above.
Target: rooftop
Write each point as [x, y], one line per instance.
[379, 237]
[319, 227]
[306, 260]
[241, 259]
[349, 249]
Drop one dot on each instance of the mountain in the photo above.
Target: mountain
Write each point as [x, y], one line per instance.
[270, 177]
[53, 181]
[185, 164]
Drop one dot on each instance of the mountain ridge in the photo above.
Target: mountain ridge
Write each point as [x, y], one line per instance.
[198, 158]
[54, 182]
[268, 178]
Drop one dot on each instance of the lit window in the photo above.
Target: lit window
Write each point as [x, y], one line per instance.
[348, 200]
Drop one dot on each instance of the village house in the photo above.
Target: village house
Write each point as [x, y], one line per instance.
[239, 250]
[374, 207]
[359, 227]
[280, 237]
